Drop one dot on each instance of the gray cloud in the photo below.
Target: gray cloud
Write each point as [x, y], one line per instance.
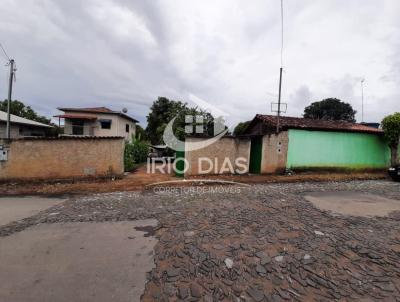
[124, 53]
[299, 99]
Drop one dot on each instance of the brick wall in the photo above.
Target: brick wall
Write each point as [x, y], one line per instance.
[32, 159]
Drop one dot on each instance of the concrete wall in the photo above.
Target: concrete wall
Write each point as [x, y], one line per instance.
[118, 124]
[323, 149]
[225, 149]
[274, 152]
[31, 159]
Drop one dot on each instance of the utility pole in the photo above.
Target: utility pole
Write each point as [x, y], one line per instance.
[280, 75]
[279, 101]
[362, 100]
[10, 82]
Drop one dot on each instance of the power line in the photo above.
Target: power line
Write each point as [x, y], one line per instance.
[5, 53]
[11, 63]
[281, 33]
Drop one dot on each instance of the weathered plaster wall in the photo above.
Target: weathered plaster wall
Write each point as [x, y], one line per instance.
[274, 152]
[118, 124]
[62, 158]
[230, 148]
[323, 149]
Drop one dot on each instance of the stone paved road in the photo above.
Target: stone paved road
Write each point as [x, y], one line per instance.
[263, 243]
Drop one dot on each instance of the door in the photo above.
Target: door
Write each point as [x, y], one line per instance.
[255, 155]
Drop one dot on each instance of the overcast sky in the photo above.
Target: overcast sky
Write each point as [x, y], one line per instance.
[125, 53]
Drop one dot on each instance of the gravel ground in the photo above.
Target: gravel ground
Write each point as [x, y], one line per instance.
[258, 243]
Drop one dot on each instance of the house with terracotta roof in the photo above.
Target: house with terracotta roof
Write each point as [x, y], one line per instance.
[97, 121]
[306, 144]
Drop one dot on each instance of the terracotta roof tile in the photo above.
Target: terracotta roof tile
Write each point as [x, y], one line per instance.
[94, 109]
[287, 122]
[98, 110]
[77, 116]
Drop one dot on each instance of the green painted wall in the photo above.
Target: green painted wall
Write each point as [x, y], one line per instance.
[323, 149]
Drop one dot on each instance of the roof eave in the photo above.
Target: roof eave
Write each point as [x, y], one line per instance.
[97, 112]
[332, 130]
[128, 117]
[27, 124]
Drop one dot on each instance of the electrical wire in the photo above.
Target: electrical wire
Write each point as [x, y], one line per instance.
[5, 53]
[281, 33]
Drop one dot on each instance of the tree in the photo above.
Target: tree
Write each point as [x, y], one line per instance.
[20, 109]
[161, 112]
[241, 127]
[391, 126]
[141, 134]
[164, 110]
[330, 109]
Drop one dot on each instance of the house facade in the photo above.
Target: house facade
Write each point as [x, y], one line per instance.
[307, 144]
[21, 127]
[97, 121]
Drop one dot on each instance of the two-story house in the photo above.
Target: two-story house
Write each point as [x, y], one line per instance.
[97, 121]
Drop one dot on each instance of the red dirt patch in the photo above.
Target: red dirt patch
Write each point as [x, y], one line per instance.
[139, 179]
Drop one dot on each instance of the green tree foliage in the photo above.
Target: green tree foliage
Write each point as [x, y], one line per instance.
[141, 134]
[135, 153]
[330, 109]
[240, 128]
[164, 110]
[129, 163]
[20, 109]
[391, 126]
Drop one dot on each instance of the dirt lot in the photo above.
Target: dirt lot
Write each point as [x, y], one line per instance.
[131, 182]
[259, 243]
[139, 179]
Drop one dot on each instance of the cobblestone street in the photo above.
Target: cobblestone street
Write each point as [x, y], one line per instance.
[258, 243]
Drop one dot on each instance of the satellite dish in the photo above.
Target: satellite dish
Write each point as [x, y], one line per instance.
[124, 110]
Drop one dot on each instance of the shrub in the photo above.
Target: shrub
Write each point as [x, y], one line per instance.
[135, 153]
[128, 157]
[391, 126]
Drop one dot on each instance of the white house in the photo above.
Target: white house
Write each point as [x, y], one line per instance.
[97, 121]
[21, 127]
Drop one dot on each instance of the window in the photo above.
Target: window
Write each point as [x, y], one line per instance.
[127, 128]
[77, 127]
[105, 124]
